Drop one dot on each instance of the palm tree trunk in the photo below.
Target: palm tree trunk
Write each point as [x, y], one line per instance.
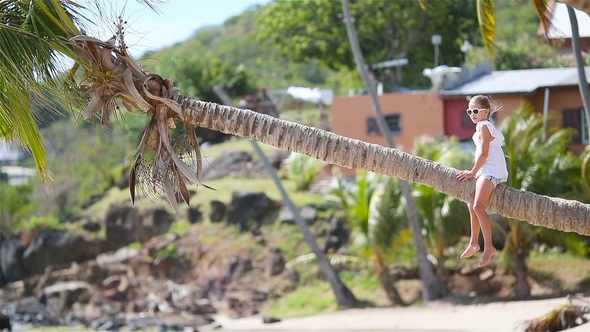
[386, 281]
[342, 293]
[522, 288]
[576, 49]
[432, 290]
[551, 212]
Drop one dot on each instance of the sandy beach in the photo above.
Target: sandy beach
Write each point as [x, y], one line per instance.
[438, 316]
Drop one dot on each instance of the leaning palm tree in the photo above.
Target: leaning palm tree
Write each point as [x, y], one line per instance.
[110, 74]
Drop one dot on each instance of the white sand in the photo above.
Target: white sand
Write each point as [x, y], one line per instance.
[438, 316]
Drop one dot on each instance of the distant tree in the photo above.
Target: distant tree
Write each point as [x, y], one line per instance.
[313, 29]
[196, 76]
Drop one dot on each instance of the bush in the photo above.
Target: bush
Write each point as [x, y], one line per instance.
[302, 169]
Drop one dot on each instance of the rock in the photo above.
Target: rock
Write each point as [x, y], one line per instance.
[60, 297]
[270, 320]
[91, 200]
[123, 226]
[29, 311]
[50, 248]
[194, 215]
[337, 236]
[91, 226]
[237, 164]
[275, 157]
[11, 267]
[122, 256]
[91, 272]
[249, 207]
[217, 212]
[4, 322]
[487, 274]
[274, 263]
[154, 222]
[308, 214]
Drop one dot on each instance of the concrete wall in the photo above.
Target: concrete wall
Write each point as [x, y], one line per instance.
[421, 114]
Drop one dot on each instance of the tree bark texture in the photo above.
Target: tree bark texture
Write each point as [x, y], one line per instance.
[538, 210]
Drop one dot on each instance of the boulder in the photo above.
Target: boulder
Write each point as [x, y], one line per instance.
[274, 262]
[154, 222]
[194, 215]
[123, 226]
[250, 209]
[30, 311]
[308, 214]
[217, 212]
[236, 164]
[50, 248]
[11, 267]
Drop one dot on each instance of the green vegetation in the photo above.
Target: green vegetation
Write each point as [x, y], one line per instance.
[302, 170]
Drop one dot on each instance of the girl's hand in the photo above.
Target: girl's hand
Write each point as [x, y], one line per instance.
[464, 175]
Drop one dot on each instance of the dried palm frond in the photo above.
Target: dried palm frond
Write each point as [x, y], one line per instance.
[111, 75]
[562, 318]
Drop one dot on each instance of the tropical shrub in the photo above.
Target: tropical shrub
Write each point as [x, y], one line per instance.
[302, 169]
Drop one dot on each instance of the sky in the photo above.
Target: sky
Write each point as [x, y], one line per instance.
[177, 21]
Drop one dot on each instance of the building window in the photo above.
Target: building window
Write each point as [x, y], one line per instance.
[393, 122]
[575, 118]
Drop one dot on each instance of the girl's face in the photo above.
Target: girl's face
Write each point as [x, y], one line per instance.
[477, 112]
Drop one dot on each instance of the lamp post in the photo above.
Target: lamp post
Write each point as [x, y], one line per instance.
[466, 48]
[436, 41]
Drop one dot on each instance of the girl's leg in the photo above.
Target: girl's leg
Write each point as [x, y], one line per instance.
[483, 191]
[474, 240]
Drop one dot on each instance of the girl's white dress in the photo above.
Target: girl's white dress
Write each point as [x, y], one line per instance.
[495, 164]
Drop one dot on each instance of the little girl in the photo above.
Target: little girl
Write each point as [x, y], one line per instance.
[489, 170]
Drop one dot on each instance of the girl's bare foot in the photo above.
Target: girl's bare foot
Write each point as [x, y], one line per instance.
[470, 251]
[486, 257]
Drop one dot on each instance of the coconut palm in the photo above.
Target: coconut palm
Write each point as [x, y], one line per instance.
[534, 165]
[372, 205]
[111, 74]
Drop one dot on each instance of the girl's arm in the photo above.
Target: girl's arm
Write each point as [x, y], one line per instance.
[486, 138]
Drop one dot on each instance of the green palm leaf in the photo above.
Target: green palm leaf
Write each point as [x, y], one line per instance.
[487, 24]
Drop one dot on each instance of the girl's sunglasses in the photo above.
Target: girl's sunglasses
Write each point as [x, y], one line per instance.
[475, 110]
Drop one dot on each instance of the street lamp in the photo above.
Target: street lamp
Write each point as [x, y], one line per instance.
[466, 48]
[436, 41]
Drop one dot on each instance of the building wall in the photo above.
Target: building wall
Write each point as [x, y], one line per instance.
[559, 100]
[421, 114]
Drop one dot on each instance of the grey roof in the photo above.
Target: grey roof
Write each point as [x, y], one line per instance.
[523, 81]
